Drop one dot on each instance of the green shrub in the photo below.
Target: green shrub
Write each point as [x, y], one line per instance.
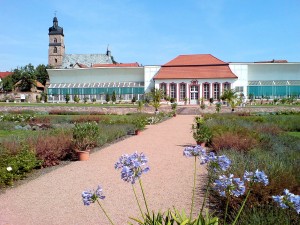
[20, 163]
[85, 136]
[268, 215]
[139, 122]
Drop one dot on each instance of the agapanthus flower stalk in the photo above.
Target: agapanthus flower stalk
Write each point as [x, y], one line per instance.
[89, 197]
[132, 166]
[288, 200]
[229, 185]
[256, 177]
[195, 152]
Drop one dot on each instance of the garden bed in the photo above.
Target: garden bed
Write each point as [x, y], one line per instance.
[34, 141]
[268, 142]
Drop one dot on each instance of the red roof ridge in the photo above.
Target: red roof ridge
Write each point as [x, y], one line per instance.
[5, 74]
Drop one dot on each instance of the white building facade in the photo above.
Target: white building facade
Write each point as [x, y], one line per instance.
[186, 79]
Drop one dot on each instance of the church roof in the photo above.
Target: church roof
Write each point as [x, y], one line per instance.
[200, 66]
[69, 60]
[117, 65]
[55, 29]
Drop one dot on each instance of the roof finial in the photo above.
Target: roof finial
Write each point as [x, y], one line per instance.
[55, 13]
[108, 53]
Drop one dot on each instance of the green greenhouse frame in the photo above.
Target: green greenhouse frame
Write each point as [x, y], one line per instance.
[274, 89]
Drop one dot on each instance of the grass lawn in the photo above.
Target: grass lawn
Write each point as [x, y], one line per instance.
[295, 134]
[7, 133]
[65, 104]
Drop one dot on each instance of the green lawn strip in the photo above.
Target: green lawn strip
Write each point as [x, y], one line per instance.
[295, 134]
[68, 105]
[272, 106]
[19, 133]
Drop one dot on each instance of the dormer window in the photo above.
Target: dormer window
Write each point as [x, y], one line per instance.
[55, 40]
[55, 50]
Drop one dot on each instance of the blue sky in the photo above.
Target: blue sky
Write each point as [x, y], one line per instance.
[152, 32]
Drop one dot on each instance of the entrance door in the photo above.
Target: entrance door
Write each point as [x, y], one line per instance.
[194, 94]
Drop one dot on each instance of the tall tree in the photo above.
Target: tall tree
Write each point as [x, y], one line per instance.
[41, 73]
[27, 77]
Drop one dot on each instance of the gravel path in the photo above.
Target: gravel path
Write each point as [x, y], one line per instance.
[55, 198]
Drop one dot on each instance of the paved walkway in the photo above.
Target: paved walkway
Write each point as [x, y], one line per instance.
[55, 198]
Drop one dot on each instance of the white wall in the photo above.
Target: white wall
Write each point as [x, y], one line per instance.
[241, 71]
[274, 71]
[96, 75]
[149, 73]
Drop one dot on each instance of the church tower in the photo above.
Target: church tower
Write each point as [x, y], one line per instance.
[56, 49]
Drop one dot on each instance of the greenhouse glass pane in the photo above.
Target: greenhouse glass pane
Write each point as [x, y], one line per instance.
[281, 91]
[255, 90]
[295, 90]
[267, 90]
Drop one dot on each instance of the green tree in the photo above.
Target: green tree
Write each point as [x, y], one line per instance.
[76, 99]
[7, 84]
[67, 98]
[44, 96]
[26, 76]
[41, 73]
[113, 97]
[107, 98]
[230, 96]
[156, 95]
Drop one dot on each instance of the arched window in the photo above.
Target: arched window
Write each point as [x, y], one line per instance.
[216, 90]
[163, 87]
[55, 50]
[55, 40]
[173, 90]
[206, 91]
[226, 86]
[55, 60]
[182, 92]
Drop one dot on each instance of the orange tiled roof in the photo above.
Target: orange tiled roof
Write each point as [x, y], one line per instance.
[118, 65]
[39, 84]
[201, 66]
[5, 74]
[195, 60]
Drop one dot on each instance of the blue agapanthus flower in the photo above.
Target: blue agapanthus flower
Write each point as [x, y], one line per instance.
[89, 196]
[194, 151]
[232, 186]
[132, 166]
[218, 163]
[257, 177]
[288, 200]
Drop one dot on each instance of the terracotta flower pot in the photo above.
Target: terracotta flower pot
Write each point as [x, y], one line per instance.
[83, 155]
[202, 144]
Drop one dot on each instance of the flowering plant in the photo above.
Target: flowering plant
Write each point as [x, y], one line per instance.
[133, 166]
